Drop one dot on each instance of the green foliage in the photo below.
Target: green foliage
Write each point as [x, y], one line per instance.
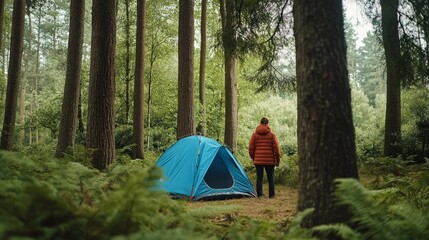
[379, 221]
[287, 172]
[59, 199]
[368, 121]
[295, 231]
[371, 68]
[382, 166]
[399, 182]
[372, 219]
[415, 123]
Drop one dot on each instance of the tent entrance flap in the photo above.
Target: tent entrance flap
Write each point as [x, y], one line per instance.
[218, 175]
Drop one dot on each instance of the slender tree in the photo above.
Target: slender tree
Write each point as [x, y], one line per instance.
[389, 25]
[127, 60]
[229, 43]
[101, 111]
[202, 118]
[326, 140]
[1, 23]
[14, 72]
[24, 80]
[185, 114]
[138, 122]
[68, 123]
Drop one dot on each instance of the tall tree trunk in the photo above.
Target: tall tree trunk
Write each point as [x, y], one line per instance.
[127, 60]
[185, 114]
[389, 25]
[202, 119]
[149, 94]
[326, 139]
[152, 59]
[1, 25]
[33, 105]
[14, 71]
[101, 101]
[69, 112]
[21, 117]
[138, 127]
[229, 39]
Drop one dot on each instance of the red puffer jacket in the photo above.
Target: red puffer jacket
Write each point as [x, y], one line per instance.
[264, 146]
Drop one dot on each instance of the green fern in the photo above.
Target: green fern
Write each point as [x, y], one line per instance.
[378, 221]
[59, 199]
[295, 231]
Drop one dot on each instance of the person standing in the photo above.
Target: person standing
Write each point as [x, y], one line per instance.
[265, 152]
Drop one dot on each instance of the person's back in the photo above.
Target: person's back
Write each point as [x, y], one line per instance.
[265, 152]
[262, 149]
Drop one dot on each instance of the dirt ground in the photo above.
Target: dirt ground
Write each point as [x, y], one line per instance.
[282, 207]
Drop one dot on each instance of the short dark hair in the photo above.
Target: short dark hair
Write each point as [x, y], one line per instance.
[264, 120]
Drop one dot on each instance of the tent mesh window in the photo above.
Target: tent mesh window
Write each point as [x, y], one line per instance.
[218, 175]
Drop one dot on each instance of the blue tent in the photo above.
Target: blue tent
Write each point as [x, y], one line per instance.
[200, 168]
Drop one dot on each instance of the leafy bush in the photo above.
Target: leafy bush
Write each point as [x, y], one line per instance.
[415, 123]
[368, 121]
[287, 172]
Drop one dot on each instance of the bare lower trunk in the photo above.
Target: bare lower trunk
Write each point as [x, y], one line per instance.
[326, 140]
[68, 123]
[185, 114]
[101, 101]
[138, 124]
[389, 23]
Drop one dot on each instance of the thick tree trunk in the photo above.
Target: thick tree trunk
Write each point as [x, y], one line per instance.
[14, 71]
[202, 112]
[68, 123]
[138, 124]
[389, 24]
[326, 140]
[229, 25]
[101, 101]
[185, 114]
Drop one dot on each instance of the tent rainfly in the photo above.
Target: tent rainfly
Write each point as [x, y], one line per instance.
[200, 168]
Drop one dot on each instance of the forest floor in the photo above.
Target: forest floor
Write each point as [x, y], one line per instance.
[277, 209]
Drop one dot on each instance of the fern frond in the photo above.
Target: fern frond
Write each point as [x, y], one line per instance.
[340, 230]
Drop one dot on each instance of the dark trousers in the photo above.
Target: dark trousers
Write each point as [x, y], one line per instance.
[269, 169]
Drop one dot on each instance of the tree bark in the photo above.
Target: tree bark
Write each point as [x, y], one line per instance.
[68, 123]
[185, 114]
[138, 122]
[1, 24]
[389, 25]
[14, 71]
[326, 140]
[101, 101]
[202, 119]
[229, 39]
[127, 60]
[21, 116]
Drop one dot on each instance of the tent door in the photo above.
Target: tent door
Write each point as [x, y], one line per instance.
[218, 175]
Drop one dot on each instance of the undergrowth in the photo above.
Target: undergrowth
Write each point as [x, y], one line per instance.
[45, 198]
